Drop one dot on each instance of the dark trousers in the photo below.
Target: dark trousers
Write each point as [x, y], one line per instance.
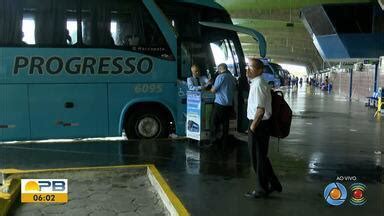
[258, 143]
[220, 117]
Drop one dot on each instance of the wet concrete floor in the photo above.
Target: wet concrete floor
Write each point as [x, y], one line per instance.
[330, 137]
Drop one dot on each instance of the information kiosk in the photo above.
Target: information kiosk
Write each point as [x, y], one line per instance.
[199, 108]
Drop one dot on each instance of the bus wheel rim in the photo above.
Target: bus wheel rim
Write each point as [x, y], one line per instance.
[148, 127]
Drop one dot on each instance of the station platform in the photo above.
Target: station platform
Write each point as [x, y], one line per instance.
[330, 138]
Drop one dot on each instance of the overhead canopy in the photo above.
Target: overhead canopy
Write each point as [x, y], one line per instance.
[346, 32]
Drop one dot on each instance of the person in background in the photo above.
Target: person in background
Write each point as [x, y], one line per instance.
[259, 112]
[197, 82]
[224, 89]
[68, 38]
[20, 37]
[289, 81]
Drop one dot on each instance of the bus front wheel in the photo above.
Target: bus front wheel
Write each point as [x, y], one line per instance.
[146, 124]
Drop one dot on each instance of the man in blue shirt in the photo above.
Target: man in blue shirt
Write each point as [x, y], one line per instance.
[224, 90]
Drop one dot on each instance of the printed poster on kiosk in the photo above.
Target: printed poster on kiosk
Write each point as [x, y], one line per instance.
[193, 125]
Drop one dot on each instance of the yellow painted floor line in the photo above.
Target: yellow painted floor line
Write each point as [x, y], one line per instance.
[7, 199]
[5, 204]
[17, 171]
[177, 204]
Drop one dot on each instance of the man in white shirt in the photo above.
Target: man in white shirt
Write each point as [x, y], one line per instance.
[259, 111]
[196, 82]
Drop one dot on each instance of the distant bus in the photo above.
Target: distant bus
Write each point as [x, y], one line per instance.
[280, 72]
[271, 74]
[96, 68]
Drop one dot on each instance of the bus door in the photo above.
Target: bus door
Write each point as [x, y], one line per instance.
[230, 55]
[191, 52]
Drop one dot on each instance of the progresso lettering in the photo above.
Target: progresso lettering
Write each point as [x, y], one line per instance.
[82, 65]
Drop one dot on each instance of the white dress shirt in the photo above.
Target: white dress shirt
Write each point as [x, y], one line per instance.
[259, 96]
[194, 85]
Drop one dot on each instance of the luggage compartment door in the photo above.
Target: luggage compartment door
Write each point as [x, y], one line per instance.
[68, 111]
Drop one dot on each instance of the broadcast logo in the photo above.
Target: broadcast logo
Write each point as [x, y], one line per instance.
[44, 190]
[335, 194]
[358, 194]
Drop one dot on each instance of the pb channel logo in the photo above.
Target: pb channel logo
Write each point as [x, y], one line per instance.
[44, 190]
[336, 194]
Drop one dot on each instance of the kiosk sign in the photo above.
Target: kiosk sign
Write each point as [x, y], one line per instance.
[199, 108]
[193, 126]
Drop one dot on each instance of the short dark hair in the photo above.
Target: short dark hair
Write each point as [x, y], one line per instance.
[258, 63]
[195, 65]
[223, 65]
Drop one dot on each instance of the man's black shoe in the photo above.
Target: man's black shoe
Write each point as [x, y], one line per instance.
[256, 194]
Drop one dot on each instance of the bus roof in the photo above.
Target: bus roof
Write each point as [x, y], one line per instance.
[208, 3]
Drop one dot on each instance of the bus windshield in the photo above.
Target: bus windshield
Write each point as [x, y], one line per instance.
[224, 52]
[208, 47]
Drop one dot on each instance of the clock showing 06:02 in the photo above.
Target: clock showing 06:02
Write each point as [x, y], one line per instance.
[44, 190]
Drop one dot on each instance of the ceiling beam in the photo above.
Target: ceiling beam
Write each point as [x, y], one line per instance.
[314, 63]
[235, 5]
[284, 51]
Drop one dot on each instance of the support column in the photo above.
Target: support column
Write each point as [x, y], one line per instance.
[376, 77]
[350, 83]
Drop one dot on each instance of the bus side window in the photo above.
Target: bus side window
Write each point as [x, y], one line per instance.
[36, 23]
[133, 28]
[51, 19]
[33, 22]
[11, 18]
[96, 23]
[127, 24]
[71, 35]
[27, 35]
